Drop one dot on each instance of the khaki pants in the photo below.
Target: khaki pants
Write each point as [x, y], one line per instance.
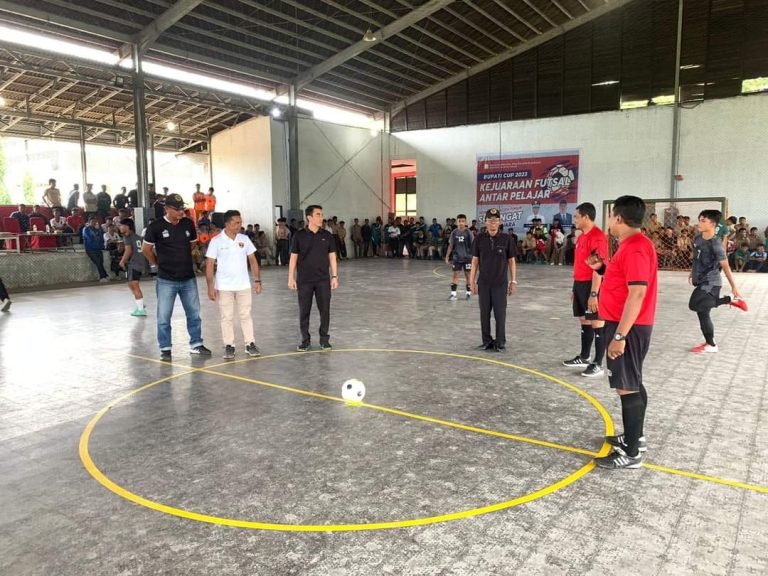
[227, 300]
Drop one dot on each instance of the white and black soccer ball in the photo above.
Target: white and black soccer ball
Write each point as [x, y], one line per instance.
[353, 390]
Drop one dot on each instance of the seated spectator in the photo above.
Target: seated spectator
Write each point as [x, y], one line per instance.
[653, 224]
[263, 247]
[249, 233]
[569, 250]
[22, 217]
[420, 244]
[76, 220]
[754, 239]
[757, 260]
[667, 246]
[111, 237]
[203, 220]
[529, 247]
[740, 257]
[742, 225]
[122, 214]
[684, 249]
[36, 213]
[540, 252]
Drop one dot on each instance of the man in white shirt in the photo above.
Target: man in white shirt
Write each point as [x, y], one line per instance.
[231, 253]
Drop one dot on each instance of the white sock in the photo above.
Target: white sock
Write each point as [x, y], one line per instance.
[140, 304]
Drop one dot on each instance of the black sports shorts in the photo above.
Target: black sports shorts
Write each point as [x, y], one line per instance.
[626, 371]
[134, 275]
[458, 266]
[581, 292]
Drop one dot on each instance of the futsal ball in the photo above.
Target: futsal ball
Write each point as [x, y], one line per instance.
[353, 390]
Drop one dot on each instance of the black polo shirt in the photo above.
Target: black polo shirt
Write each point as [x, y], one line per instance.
[313, 249]
[172, 244]
[494, 253]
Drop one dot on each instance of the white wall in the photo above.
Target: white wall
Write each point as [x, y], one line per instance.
[725, 152]
[340, 168]
[621, 153]
[241, 162]
[723, 149]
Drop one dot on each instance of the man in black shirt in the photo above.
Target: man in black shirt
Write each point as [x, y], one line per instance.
[171, 238]
[313, 251]
[493, 254]
[22, 217]
[120, 201]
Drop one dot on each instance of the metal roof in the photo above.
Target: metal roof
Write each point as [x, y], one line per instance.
[316, 45]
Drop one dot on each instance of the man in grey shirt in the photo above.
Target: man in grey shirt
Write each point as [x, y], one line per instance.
[709, 258]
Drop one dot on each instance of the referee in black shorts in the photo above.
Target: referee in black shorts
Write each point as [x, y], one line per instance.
[313, 252]
[493, 255]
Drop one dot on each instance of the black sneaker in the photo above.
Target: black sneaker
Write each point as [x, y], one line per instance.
[6, 304]
[593, 371]
[577, 362]
[619, 443]
[619, 460]
[200, 351]
[326, 346]
[490, 346]
[304, 347]
[229, 352]
[165, 355]
[252, 350]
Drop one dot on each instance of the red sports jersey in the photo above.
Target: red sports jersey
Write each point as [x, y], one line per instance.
[594, 240]
[635, 262]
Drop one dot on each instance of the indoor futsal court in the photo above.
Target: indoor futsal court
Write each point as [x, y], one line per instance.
[457, 462]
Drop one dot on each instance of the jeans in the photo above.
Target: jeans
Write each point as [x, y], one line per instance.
[166, 291]
[97, 257]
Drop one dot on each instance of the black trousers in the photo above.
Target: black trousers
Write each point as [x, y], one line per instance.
[3, 291]
[322, 294]
[97, 258]
[493, 299]
[282, 252]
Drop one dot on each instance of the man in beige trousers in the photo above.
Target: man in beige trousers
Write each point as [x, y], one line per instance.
[231, 253]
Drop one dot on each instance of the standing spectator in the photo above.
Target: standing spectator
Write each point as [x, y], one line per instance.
[74, 198]
[20, 214]
[198, 199]
[90, 200]
[103, 202]
[52, 195]
[754, 239]
[203, 220]
[393, 238]
[232, 253]
[312, 253]
[210, 201]
[341, 237]
[132, 196]
[171, 238]
[132, 262]
[406, 238]
[356, 233]
[376, 234]
[93, 239]
[282, 240]
[493, 256]
[5, 298]
[159, 206]
[120, 201]
[365, 235]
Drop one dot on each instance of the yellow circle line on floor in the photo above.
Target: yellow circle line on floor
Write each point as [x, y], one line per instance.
[436, 273]
[100, 477]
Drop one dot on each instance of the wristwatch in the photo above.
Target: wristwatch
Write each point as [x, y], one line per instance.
[619, 337]
[593, 294]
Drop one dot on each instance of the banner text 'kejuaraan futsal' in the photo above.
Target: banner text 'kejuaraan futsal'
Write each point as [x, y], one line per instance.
[527, 186]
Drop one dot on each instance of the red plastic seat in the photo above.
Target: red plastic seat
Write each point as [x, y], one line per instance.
[11, 225]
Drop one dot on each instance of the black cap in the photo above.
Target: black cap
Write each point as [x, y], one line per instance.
[175, 201]
[493, 213]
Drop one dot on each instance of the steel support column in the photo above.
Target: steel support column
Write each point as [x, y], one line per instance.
[293, 150]
[83, 162]
[675, 165]
[152, 158]
[140, 128]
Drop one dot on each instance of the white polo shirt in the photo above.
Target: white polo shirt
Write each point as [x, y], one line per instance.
[231, 261]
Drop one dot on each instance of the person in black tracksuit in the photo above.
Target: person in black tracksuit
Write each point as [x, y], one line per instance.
[494, 258]
[313, 252]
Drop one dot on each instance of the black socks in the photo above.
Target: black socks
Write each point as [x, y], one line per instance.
[707, 327]
[587, 335]
[599, 346]
[453, 287]
[633, 415]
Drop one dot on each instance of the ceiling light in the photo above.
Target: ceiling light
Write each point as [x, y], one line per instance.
[2, 102]
[690, 66]
[606, 83]
[171, 126]
[276, 112]
[119, 82]
[369, 36]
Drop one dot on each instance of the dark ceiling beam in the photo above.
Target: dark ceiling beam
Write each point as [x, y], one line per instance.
[538, 11]
[563, 10]
[530, 44]
[150, 33]
[494, 20]
[503, 6]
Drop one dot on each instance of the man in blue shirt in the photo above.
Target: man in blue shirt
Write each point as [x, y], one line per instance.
[22, 217]
[93, 240]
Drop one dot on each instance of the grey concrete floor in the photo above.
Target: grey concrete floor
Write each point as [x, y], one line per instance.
[216, 443]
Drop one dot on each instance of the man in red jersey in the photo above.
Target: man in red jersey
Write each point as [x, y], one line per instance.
[586, 288]
[628, 306]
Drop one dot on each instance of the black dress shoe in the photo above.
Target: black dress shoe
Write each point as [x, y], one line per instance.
[489, 346]
[500, 348]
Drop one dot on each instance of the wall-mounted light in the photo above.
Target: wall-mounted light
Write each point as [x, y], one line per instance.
[276, 112]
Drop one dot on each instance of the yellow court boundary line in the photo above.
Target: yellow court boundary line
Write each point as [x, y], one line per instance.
[436, 273]
[665, 469]
[100, 477]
